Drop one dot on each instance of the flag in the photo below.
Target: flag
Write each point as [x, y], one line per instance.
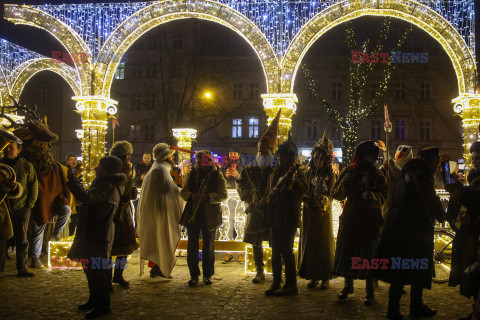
[388, 124]
[115, 122]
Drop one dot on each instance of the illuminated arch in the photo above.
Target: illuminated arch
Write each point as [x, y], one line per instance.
[165, 11]
[73, 43]
[23, 73]
[407, 10]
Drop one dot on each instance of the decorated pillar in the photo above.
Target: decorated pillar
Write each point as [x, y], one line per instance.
[285, 101]
[184, 137]
[94, 111]
[468, 106]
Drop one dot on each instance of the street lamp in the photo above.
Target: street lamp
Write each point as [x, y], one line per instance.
[208, 95]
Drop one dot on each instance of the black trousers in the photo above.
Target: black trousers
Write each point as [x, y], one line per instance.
[73, 224]
[98, 286]
[20, 220]
[258, 258]
[395, 294]
[281, 240]
[208, 251]
[3, 254]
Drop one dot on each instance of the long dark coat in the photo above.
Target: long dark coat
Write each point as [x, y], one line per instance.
[361, 218]
[125, 240]
[465, 242]
[409, 229]
[252, 187]
[95, 229]
[210, 211]
[317, 242]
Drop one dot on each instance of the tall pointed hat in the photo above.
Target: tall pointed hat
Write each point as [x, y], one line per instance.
[288, 147]
[326, 145]
[268, 141]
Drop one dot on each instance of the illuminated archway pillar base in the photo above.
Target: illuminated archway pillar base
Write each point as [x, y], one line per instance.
[184, 137]
[94, 111]
[468, 106]
[285, 101]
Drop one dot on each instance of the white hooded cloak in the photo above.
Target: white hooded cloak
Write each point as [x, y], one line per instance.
[159, 210]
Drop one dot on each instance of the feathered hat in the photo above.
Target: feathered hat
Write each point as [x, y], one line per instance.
[268, 141]
[288, 147]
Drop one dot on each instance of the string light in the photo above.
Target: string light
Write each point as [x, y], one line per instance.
[184, 137]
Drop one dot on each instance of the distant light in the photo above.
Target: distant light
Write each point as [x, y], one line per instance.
[208, 95]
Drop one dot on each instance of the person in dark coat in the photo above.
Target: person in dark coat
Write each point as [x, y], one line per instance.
[125, 241]
[252, 187]
[95, 230]
[409, 234]
[364, 187]
[465, 242]
[141, 169]
[208, 217]
[317, 242]
[287, 186]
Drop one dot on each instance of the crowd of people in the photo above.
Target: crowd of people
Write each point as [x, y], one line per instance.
[386, 229]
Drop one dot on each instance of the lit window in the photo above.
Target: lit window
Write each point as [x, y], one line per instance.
[237, 128]
[400, 129]
[120, 71]
[253, 128]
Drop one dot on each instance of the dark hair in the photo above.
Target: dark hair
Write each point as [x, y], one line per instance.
[70, 155]
[475, 147]
[146, 152]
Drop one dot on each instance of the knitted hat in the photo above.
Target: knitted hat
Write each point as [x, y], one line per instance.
[268, 141]
[121, 149]
[111, 164]
[162, 151]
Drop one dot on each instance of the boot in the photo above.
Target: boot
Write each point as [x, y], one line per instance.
[286, 290]
[86, 306]
[118, 278]
[259, 278]
[98, 312]
[36, 264]
[25, 273]
[370, 287]
[193, 282]
[207, 281]
[422, 311]
[325, 284]
[271, 291]
[312, 284]
[155, 271]
[395, 316]
[369, 299]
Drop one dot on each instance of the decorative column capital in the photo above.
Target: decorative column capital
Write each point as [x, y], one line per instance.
[184, 136]
[467, 105]
[285, 101]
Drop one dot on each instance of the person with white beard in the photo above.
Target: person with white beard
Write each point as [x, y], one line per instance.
[159, 210]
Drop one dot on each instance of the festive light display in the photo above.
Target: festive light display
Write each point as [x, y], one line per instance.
[287, 103]
[280, 32]
[57, 255]
[94, 110]
[184, 140]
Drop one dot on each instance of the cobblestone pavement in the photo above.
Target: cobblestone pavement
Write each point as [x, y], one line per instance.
[54, 294]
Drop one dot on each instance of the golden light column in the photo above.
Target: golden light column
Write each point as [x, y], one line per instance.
[285, 101]
[94, 111]
[184, 137]
[468, 106]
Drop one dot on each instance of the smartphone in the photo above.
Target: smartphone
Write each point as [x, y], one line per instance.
[446, 172]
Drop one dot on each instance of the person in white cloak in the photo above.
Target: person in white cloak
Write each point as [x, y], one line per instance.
[159, 210]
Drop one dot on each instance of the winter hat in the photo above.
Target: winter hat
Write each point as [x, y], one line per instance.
[162, 151]
[268, 141]
[289, 147]
[121, 149]
[111, 164]
[366, 148]
[6, 138]
[403, 155]
[429, 152]
[475, 147]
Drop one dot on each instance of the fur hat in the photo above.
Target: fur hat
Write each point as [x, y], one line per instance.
[268, 141]
[288, 147]
[162, 151]
[111, 164]
[121, 149]
[38, 131]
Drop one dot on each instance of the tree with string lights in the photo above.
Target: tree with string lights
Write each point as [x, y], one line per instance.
[360, 103]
